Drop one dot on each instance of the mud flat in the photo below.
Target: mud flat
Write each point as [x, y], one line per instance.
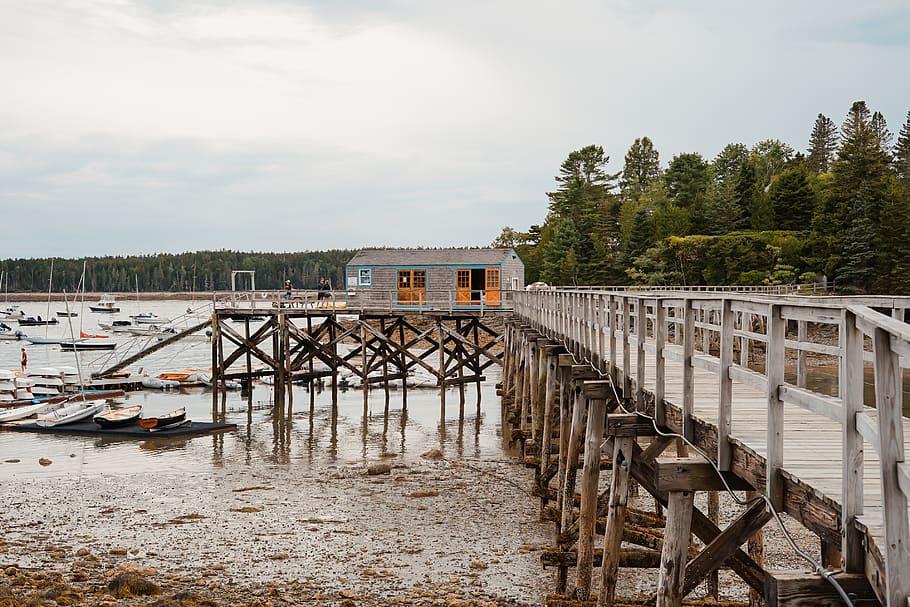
[429, 531]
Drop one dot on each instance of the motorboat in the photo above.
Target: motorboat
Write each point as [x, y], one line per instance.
[11, 314]
[31, 321]
[106, 304]
[7, 333]
[49, 341]
[117, 326]
[65, 314]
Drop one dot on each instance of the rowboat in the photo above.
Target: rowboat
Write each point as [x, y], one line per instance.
[117, 418]
[68, 414]
[172, 425]
[168, 419]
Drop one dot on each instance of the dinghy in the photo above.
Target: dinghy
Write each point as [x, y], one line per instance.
[117, 418]
[68, 414]
[171, 419]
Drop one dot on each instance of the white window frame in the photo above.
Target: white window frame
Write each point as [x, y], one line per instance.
[365, 272]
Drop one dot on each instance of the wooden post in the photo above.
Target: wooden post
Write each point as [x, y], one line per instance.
[850, 385]
[442, 368]
[611, 312]
[595, 395]
[675, 549]
[578, 421]
[626, 351]
[616, 517]
[774, 371]
[403, 363]
[660, 363]
[757, 552]
[641, 335]
[725, 388]
[688, 369]
[565, 427]
[888, 396]
[802, 370]
[547, 434]
[714, 517]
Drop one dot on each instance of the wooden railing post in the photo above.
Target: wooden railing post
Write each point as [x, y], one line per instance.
[774, 371]
[641, 336]
[626, 351]
[888, 396]
[688, 370]
[660, 364]
[850, 386]
[612, 337]
[725, 387]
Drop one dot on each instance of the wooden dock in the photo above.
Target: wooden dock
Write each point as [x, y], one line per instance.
[593, 378]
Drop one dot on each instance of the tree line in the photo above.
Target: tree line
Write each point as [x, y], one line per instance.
[765, 214]
[199, 271]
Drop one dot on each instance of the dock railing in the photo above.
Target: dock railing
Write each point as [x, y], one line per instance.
[717, 331]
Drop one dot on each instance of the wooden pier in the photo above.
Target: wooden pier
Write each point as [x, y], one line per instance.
[378, 348]
[600, 382]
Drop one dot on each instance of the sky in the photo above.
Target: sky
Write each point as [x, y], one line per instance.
[137, 127]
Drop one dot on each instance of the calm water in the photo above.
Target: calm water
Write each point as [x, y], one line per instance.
[309, 429]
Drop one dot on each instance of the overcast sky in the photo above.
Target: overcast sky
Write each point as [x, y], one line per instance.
[172, 125]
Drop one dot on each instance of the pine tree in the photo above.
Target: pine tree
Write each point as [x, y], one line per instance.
[565, 239]
[641, 168]
[883, 137]
[792, 200]
[822, 145]
[856, 272]
[902, 154]
[641, 237]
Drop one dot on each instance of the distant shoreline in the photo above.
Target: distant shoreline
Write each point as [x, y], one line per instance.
[126, 297]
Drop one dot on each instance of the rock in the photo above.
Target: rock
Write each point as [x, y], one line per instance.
[129, 584]
[45, 462]
[432, 454]
[83, 552]
[379, 469]
[478, 565]
[280, 556]
[246, 509]
[423, 493]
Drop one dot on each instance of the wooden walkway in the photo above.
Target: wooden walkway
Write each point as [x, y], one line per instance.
[643, 340]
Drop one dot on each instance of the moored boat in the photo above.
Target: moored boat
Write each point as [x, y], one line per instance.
[105, 304]
[68, 414]
[118, 418]
[65, 314]
[89, 345]
[22, 412]
[175, 417]
[31, 321]
[149, 318]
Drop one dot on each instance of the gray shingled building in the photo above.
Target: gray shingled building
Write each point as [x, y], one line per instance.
[433, 278]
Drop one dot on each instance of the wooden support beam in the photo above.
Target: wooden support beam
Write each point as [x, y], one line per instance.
[616, 513]
[597, 410]
[640, 558]
[690, 474]
[676, 545]
[726, 544]
[629, 424]
[801, 589]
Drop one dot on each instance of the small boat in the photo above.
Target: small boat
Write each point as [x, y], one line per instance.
[117, 326]
[7, 333]
[85, 335]
[17, 413]
[106, 304]
[11, 314]
[65, 314]
[117, 418]
[155, 383]
[168, 419]
[45, 341]
[69, 414]
[171, 426]
[149, 318]
[31, 321]
[88, 345]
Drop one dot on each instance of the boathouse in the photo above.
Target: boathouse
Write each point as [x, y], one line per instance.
[434, 278]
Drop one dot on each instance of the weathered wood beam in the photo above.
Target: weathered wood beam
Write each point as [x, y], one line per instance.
[690, 474]
[801, 589]
[629, 424]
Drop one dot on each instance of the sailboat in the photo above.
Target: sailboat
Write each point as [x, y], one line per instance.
[146, 318]
[67, 313]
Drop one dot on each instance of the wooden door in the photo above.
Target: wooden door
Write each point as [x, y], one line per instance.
[412, 287]
[493, 287]
[462, 287]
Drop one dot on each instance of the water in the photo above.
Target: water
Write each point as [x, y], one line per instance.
[312, 430]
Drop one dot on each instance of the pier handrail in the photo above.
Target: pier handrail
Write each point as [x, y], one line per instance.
[702, 328]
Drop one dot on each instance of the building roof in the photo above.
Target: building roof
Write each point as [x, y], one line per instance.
[427, 257]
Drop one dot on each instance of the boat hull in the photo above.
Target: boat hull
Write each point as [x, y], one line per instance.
[170, 419]
[118, 418]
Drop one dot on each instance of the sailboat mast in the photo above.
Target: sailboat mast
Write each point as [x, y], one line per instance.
[50, 281]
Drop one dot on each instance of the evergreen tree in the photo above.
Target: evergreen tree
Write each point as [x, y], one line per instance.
[822, 145]
[856, 272]
[792, 200]
[729, 162]
[902, 153]
[883, 137]
[687, 179]
[769, 157]
[641, 237]
[641, 168]
[565, 239]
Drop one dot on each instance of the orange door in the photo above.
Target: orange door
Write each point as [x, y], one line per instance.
[412, 287]
[463, 287]
[493, 287]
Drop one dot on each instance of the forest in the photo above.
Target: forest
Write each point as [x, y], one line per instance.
[837, 214]
[187, 272]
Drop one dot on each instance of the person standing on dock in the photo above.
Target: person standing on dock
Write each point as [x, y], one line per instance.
[288, 288]
[325, 292]
[24, 360]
